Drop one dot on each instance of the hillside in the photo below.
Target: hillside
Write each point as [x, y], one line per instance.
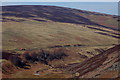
[104, 65]
[66, 15]
[57, 42]
[43, 26]
[96, 62]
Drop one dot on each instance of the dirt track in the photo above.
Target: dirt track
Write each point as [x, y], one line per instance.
[61, 46]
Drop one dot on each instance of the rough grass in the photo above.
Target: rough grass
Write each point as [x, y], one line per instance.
[34, 34]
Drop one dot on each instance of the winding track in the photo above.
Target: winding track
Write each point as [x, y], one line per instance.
[61, 46]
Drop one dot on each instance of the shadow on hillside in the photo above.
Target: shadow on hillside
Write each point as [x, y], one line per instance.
[15, 20]
[108, 35]
[103, 30]
[57, 14]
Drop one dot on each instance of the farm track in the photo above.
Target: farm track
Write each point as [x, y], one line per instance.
[63, 46]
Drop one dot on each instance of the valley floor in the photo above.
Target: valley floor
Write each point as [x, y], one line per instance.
[77, 56]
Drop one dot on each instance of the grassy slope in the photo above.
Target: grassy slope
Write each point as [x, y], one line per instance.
[29, 34]
[41, 26]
